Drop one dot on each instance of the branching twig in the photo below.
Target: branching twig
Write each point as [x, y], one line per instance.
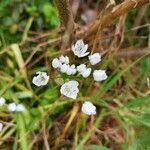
[118, 11]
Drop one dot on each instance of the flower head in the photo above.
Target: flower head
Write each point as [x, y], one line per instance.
[95, 58]
[2, 101]
[1, 126]
[79, 49]
[12, 107]
[64, 68]
[88, 108]
[41, 79]
[70, 89]
[56, 63]
[99, 75]
[81, 68]
[86, 72]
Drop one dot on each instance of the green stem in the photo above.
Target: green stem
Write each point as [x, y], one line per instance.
[91, 131]
[22, 132]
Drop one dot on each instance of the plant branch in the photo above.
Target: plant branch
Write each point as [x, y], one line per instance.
[118, 11]
[67, 20]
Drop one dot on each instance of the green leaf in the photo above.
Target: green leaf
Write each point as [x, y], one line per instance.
[138, 102]
[49, 96]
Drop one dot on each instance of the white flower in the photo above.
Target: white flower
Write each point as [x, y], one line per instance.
[86, 72]
[73, 66]
[64, 59]
[20, 108]
[69, 71]
[70, 89]
[41, 79]
[79, 49]
[95, 58]
[74, 70]
[99, 75]
[88, 108]
[12, 107]
[81, 68]
[64, 68]
[1, 127]
[56, 63]
[2, 101]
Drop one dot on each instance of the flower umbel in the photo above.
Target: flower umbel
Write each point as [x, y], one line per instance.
[88, 108]
[70, 89]
[79, 49]
[41, 79]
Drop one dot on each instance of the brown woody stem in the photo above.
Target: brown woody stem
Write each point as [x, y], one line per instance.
[67, 20]
[118, 11]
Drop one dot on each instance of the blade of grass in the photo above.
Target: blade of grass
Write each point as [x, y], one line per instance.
[22, 132]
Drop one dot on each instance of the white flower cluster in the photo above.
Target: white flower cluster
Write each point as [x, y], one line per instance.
[12, 107]
[62, 64]
[83, 70]
[70, 88]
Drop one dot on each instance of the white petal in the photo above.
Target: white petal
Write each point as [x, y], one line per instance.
[20, 108]
[64, 59]
[2, 101]
[56, 63]
[81, 67]
[95, 58]
[70, 89]
[83, 55]
[84, 48]
[79, 43]
[86, 73]
[74, 71]
[99, 75]
[80, 48]
[12, 107]
[64, 68]
[73, 66]
[88, 108]
[69, 71]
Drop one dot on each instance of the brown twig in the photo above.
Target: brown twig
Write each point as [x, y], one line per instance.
[67, 20]
[118, 11]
